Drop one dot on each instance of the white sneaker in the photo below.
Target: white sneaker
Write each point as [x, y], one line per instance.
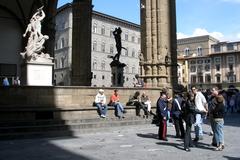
[103, 116]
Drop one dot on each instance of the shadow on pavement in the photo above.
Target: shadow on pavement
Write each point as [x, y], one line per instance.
[231, 158]
[148, 135]
[39, 149]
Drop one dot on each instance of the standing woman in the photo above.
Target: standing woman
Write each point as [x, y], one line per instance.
[218, 114]
[190, 112]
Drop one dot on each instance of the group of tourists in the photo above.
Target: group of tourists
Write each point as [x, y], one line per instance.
[141, 101]
[102, 106]
[192, 108]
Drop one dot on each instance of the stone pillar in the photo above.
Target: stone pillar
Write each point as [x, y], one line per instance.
[81, 43]
[158, 34]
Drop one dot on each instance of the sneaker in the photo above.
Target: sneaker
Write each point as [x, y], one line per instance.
[103, 116]
[187, 149]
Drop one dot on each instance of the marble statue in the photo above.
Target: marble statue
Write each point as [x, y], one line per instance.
[35, 45]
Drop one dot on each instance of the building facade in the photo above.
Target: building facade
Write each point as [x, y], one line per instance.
[206, 61]
[103, 46]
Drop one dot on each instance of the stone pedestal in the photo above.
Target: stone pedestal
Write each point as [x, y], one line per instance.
[37, 74]
[117, 73]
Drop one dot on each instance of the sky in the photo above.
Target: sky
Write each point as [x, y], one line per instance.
[218, 18]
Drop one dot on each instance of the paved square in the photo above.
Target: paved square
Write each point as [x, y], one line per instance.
[119, 143]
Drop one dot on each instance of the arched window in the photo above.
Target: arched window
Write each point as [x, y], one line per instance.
[186, 51]
[103, 30]
[95, 28]
[95, 64]
[199, 51]
[94, 46]
[103, 47]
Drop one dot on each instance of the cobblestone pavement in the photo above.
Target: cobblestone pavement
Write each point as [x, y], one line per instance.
[131, 143]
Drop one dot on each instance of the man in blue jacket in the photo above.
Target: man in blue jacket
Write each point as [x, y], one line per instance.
[162, 110]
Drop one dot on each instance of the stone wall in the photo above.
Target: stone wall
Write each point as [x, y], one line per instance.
[63, 97]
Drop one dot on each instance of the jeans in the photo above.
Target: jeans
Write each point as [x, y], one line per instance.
[198, 126]
[218, 128]
[118, 109]
[102, 108]
[212, 123]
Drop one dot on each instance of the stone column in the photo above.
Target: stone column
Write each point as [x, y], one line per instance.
[158, 24]
[81, 43]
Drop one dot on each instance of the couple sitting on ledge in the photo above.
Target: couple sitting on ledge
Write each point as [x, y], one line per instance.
[100, 101]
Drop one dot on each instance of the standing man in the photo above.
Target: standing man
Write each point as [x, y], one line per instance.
[162, 109]
[201, 105]
[177, 115]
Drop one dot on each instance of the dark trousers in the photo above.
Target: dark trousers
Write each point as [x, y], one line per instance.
[162, 131]
[140, 106]
[178, 123]
[187, 138]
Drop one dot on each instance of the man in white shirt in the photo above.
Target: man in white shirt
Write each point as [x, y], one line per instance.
[100, 101]
[201, 105]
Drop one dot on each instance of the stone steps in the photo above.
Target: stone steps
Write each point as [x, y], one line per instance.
[48, 128]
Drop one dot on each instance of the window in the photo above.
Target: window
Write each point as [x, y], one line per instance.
[133, 70]
[126, 37]
[208, 78]
[95, 65]
[95, 28]
[199, 61]
[193, 69]
[217, 48]
[199, 51]
[230, 47]
[133, 53]
[207, 61]
[217, 67]
[126, 51]
[230, 59]
[103, 47]
[218, 78]
[103, 65]
[193, 62]
[95, 76]
[230, 67]
[111, 49]
[111, 32]
[56, 64]
[56, 46]
[186, 52]
[103, 77]
[207, 67]
[200, 69]
[62, 62]
[193, 79]
[133, 38]
[103, 30]
[200, 78]
[95, 46]
[62, 43]
[217, 60]
[126, 69]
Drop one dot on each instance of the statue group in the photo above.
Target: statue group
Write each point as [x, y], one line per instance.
[36, 40]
